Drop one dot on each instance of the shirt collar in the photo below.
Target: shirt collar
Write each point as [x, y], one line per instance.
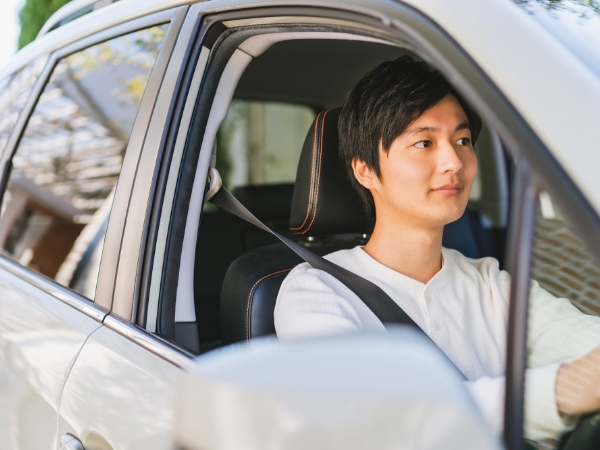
[390, 276]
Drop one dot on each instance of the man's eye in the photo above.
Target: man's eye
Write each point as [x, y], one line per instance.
[464, 141]
[423, 144]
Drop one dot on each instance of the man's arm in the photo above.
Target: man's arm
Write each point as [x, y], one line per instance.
[562, 337]
[578, 385]
[541, 416]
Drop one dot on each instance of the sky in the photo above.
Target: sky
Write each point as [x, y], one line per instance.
[9, 28]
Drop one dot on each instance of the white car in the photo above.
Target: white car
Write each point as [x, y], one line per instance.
[115, 273]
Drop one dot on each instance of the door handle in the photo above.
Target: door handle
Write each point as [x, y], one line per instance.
[70, 442]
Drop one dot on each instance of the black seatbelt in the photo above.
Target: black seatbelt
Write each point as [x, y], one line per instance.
[386, 309]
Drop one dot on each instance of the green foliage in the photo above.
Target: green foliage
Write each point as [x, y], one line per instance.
[34, 15]
[585, 6]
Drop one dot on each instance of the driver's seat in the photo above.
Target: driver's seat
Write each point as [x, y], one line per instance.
[326, 215]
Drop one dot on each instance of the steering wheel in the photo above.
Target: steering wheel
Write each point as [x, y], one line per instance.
[585, 436]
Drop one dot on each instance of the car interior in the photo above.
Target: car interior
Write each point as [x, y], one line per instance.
[277, 152]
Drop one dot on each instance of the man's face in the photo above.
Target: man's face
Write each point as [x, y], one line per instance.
[426, 176]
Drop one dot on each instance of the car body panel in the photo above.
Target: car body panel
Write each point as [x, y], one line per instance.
[40, 337]
[119, 395]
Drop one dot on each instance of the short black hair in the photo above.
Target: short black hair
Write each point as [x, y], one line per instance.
[380, 107]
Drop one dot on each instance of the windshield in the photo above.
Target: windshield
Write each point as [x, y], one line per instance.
[575, 23]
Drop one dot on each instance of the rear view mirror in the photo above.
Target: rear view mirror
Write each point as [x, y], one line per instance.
[362, 391]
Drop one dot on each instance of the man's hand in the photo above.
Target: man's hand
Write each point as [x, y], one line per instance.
[578, 385]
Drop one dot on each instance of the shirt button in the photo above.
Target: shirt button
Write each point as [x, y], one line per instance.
[437, 326]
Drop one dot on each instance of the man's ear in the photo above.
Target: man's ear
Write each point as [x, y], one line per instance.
[364, 174]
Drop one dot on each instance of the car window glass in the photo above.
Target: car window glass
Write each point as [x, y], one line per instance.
[260, 142]
[14, 92]
[564, 324]
[66, 166]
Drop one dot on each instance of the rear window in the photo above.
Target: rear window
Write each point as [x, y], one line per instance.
[260, 142]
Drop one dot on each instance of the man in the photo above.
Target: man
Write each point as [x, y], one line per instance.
[407, 139]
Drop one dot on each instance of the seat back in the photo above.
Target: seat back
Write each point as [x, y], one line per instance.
[224, 237]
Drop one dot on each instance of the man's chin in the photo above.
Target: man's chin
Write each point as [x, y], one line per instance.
[452, 215]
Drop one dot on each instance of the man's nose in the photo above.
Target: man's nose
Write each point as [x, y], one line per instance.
[449, 159]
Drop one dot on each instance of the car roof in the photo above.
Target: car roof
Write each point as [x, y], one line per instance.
[554, 92]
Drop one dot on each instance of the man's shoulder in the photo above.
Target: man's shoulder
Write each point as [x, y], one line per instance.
[486, 266]
[343, 258]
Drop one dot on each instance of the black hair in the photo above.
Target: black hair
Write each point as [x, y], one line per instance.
[380, 107]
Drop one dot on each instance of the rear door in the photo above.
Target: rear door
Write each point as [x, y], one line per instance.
[42, 324]
[61, 181]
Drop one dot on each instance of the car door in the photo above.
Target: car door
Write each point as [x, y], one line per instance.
[119, 391]
[61, 182]
[42, 324]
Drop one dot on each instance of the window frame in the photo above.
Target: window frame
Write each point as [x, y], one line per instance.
[97, 309]
[9, 78]
[132, 255]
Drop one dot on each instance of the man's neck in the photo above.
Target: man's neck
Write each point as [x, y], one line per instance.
[412, 251]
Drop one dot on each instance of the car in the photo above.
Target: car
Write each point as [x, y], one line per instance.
[118, 279]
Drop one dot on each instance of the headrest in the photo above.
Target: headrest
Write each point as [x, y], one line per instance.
[324, 201]
[268, 201]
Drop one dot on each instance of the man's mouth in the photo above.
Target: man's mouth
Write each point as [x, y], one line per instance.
[449, 189]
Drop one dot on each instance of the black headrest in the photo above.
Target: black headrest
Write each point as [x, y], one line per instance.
[324, 201]
[268, 201]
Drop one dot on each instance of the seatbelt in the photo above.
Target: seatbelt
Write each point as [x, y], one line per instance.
[386, 309]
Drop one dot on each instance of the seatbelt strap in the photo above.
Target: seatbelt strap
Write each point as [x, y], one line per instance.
[386, 309]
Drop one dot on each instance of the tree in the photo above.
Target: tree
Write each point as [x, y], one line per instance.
[34, 15]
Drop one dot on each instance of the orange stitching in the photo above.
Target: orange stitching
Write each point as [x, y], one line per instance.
[250, 296]
[312, 172]
[318, 175]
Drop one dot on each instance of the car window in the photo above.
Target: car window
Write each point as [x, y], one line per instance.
[66, 166]
[260, 142]
[564, 323]
[14, 92]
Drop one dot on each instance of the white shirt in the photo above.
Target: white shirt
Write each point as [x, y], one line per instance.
[464, 310]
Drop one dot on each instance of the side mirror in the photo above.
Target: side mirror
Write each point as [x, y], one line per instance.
[361, 391]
